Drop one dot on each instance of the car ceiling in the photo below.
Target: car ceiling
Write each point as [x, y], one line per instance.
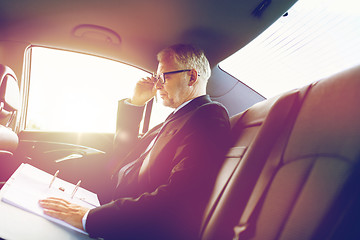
[133, 31]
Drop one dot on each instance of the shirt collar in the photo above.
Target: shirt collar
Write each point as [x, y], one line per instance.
[181, 106]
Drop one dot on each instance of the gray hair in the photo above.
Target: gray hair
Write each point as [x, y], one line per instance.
[187, 56]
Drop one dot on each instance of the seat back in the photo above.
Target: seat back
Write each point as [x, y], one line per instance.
[9, 104]
[254, 132]
[316, 183]
[299, 174]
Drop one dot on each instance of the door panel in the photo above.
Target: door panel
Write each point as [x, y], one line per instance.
[78, 156]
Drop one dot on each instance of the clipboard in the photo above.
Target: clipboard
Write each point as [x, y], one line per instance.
[28, 185]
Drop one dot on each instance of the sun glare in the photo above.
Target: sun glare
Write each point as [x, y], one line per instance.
[75, 92]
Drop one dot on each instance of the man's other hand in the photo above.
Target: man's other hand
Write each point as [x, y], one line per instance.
[144, 91]
[64, 210]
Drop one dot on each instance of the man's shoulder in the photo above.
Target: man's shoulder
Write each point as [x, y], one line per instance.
[212, 107]
[209, 116]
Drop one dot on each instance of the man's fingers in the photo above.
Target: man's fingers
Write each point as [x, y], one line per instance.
[55, 214]
[52, 206]
[144, 91]
[147, 81]
[54, 203]
[58, 199]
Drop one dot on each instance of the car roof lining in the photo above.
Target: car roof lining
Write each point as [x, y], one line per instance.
[208, 24]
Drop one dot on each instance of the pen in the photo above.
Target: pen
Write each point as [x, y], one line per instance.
[75, 189]
[53, 179]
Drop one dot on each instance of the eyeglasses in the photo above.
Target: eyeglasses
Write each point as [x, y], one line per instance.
[161, 77]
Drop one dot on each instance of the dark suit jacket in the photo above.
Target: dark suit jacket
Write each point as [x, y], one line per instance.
[168, 200]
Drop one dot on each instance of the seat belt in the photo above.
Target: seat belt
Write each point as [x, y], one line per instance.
[241, 230]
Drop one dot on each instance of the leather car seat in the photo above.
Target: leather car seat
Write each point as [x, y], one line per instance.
[9, 104]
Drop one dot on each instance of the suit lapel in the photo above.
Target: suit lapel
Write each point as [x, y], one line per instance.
[171, 126]
[165, 132]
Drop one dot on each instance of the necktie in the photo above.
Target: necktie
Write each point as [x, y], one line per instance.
[142, 161]
[124, 171]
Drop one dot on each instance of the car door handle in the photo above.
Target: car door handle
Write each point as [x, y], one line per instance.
[70, 157]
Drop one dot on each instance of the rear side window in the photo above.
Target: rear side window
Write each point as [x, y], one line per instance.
[314, 40]
[73, 92]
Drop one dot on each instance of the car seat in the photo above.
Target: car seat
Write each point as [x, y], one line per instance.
[9, 104]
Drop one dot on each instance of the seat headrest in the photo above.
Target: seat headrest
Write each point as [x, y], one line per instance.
[9, 94]
[8, 141]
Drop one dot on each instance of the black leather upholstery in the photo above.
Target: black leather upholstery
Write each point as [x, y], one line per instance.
[305, 177]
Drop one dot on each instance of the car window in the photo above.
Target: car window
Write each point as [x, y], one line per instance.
[315, 39]
[73, 92]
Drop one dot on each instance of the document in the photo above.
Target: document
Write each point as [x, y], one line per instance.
[28, 185]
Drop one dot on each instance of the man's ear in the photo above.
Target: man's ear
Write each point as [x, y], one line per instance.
[193, 77]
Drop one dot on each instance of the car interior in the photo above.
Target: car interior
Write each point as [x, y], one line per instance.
[293, 167]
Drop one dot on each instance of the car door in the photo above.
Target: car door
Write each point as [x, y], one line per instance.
[69, 110]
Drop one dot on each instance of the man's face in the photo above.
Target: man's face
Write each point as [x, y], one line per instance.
[176, 89]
